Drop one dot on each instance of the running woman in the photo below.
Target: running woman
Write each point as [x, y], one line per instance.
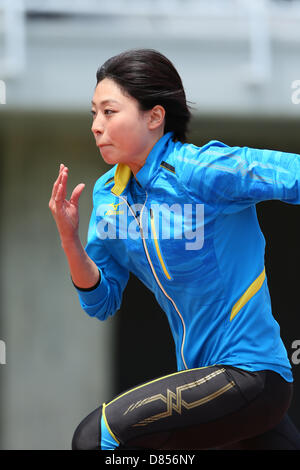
[233, 384]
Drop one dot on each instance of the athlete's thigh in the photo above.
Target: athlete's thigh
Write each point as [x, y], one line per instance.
[87, 435]
[284, 436]
[180, 400]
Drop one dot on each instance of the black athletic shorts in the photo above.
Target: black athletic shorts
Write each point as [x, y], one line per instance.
[217, 407]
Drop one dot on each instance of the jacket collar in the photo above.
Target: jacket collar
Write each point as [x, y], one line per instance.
[123, 172]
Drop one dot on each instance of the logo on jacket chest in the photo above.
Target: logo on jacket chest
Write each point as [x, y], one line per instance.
[113, 209]
[156, 221]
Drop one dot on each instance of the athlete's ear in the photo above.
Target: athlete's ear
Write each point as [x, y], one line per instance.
[156, 117]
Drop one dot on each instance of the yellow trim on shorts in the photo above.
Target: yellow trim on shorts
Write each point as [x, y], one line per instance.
[107, 425]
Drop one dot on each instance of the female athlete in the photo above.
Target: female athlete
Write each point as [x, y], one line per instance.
[183, 220]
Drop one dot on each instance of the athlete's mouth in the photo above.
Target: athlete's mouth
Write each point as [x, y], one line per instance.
[100, 146]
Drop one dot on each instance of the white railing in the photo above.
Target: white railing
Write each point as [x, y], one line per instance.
[12, 52]
[255, 15]
[170, 8]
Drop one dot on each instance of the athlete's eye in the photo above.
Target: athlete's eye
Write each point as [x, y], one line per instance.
[93, 113]
[108, 111]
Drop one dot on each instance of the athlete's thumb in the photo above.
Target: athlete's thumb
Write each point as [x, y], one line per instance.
[77, 193]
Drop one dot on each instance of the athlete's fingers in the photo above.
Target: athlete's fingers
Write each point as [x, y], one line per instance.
[59, 194]
[55, 187]
[77, 193]
[57, 182]
[63, 182]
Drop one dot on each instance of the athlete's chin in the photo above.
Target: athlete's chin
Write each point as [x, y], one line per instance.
[109, 155]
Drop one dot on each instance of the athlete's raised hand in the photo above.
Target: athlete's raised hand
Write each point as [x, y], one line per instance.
[65, 212]
[84, 271]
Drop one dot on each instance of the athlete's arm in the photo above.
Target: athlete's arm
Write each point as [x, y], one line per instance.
[98, 278]
[232, 178]
[105, 298]
[83, 270]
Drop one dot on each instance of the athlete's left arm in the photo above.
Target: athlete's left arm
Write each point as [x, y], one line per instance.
[232, 178]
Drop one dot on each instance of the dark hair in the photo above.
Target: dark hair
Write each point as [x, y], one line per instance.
[150, 78]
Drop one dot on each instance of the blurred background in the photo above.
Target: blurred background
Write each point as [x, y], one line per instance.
[240, 65]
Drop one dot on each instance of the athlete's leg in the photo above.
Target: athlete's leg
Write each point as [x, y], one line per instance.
[255, 405]
[88, 434]
[284, 436]
[93, 434]
[193, 409]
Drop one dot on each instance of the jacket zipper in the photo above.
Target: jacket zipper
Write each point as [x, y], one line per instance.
[139, 222]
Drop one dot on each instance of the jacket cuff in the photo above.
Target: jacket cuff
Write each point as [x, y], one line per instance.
[93, 295]
[88, 289]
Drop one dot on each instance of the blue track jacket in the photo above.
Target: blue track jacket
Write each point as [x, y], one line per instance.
[187, 227]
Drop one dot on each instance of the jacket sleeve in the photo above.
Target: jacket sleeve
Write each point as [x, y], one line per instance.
[105, 299]
[233, 178]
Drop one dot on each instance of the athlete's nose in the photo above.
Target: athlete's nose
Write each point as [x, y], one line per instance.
[97, 126]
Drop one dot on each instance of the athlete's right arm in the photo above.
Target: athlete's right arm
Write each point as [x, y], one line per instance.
[98, 278]
[83, 269]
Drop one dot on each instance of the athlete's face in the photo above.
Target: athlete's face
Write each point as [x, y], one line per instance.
[123, 133]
